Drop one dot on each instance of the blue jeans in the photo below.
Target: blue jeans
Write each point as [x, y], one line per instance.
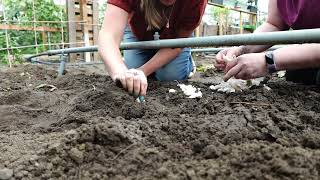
[177, 69]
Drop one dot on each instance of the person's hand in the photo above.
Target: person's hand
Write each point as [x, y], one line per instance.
[220, 62]
[247, 66]
[133, 81]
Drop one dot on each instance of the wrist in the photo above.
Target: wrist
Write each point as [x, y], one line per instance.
[116, 71]
[143, 69]
[243, 50]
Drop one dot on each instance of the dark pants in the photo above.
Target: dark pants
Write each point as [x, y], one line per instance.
[304, 76]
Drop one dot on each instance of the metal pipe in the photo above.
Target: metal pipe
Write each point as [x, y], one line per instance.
[268, 38]
[217, 50]
[209, 50]
[62, 66]
[200, 50]
[69, 64]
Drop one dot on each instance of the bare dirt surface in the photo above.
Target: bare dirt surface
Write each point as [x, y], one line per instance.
[87, 128]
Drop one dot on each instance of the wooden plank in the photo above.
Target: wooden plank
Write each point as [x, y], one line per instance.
[253, 20]
[28, 28]
[72, 27]
[84, 17]
[86, 11]
[241, 23]
[95, 29]
[197, 31]
[221, 19]
[44, 38]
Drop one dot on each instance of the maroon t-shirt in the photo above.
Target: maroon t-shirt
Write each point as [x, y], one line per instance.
[300, 14]
[185, 15]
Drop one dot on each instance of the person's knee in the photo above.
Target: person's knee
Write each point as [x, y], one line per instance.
[178, 69]
[171, 73]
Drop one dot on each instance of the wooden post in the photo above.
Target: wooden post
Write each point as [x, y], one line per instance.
[49, 40]
[85, 29]
[72, 27]
[227, 25]
[197, 32]
[241, 23]
[96, 28]
[44, 37]
[62, 28]
[220, 24]
[255, 20]
[34, 26]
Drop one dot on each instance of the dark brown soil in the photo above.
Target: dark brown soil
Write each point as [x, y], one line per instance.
[89, 129]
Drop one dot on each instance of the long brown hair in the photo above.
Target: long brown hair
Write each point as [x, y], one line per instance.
[154, 13]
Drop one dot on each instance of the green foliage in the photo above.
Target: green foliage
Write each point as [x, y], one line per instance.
[17, 12]
[217, 11]
[45, 10]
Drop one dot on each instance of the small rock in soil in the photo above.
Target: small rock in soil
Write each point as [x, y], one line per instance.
[6, 173]
[76, 155]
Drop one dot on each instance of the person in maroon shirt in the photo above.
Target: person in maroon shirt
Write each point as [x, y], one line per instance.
[141, 20]
[302, 62]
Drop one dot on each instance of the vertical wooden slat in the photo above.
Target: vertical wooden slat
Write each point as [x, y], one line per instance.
[220, 24]
[34, 26]
[62, 27]
[241, 23]
[72, 27]
[197, 31]
[44, 37]
[85, 29]
[95, 16]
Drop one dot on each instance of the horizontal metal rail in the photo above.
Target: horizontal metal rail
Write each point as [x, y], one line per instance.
[268, 38]
[69, 64]
[217, 50]
[209, 50]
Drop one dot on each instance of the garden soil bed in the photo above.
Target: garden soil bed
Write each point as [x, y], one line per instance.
[87, 128]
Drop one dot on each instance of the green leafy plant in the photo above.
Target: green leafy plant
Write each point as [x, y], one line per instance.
[218, 11]
[18, 12]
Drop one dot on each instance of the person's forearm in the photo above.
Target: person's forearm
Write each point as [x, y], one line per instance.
[162, 57]
[265, 27]
[298, 57]
[110, 53]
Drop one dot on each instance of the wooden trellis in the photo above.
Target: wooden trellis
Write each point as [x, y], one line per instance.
[86, 11]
